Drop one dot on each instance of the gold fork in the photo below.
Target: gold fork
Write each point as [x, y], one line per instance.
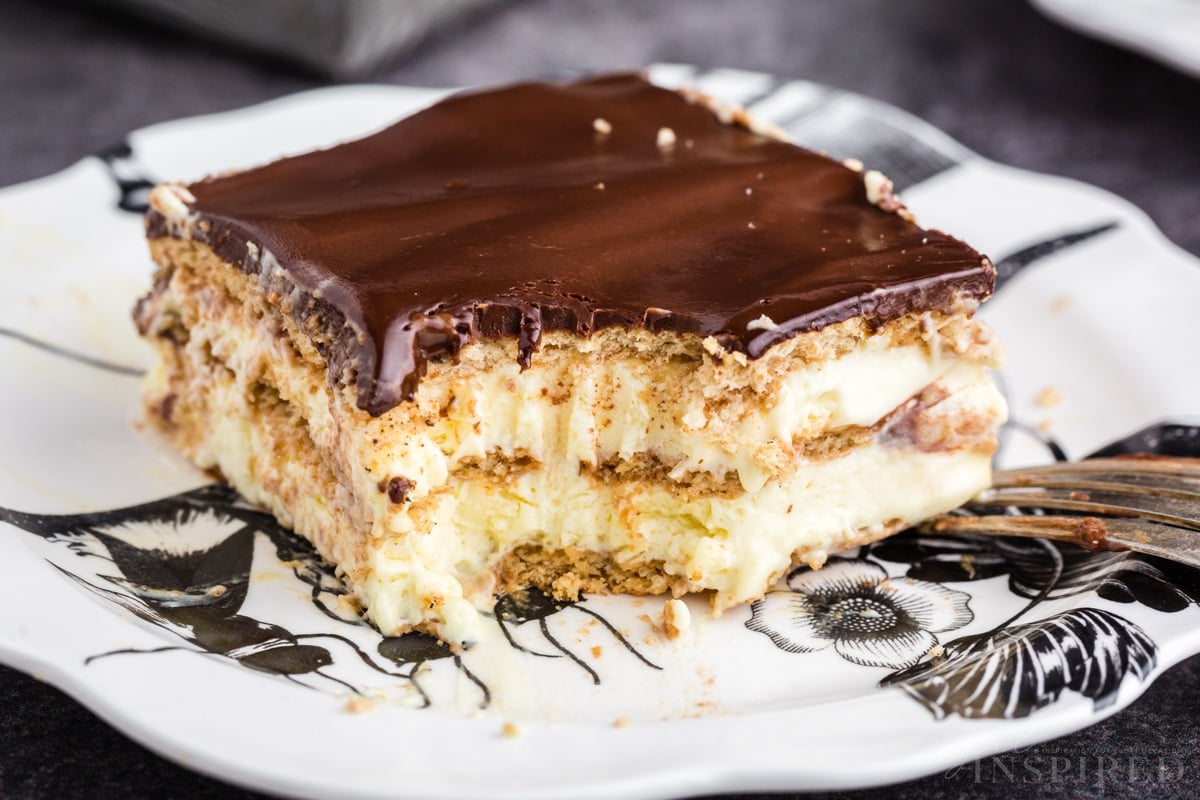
[1146, 503]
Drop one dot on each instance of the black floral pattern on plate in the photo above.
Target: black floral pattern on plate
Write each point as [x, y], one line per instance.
[1014, 668]
[182, 564]
[133, 184]
[867, 617]
[1008, 671]
[1121, 577]
[531, 605]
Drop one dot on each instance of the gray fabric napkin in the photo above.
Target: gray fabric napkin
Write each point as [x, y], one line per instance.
[338, 38]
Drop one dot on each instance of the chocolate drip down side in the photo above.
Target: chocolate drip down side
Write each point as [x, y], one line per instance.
[539, 207]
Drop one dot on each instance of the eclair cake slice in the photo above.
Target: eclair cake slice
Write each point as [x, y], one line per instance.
[594, 337]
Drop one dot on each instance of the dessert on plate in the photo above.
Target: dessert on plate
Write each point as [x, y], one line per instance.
[593, 337]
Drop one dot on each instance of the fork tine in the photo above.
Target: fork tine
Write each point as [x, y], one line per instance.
[1150, 504]
[1184, 470]
[1155, 488]
[1171, 511]
[1151, 538]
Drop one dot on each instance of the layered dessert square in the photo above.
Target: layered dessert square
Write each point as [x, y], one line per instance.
[594, 337]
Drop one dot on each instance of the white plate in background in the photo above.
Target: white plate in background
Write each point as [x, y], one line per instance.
[1165, 30]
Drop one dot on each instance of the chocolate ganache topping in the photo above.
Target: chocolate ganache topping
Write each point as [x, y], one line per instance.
[606, 202]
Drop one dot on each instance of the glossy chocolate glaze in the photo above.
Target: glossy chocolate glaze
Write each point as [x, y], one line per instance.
[509, 212]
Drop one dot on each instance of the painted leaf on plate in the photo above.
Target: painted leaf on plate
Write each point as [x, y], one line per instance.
[1013, 672]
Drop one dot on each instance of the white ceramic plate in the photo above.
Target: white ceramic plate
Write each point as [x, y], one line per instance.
[115, 548]
[1166, 30]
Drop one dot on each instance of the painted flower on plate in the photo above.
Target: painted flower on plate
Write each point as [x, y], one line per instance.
[866, 616]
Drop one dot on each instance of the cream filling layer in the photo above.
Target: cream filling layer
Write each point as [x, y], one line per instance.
[734, 546]
[423, 560]
[618, 409]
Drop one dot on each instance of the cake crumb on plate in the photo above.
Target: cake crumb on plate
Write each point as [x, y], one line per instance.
[677, 618]
[1049, 396]
[359, 705]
